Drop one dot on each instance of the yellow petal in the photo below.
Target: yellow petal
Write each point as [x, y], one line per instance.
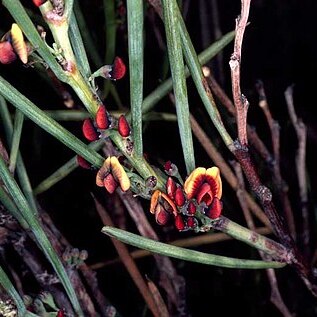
[119, 174]
[214, 180]
[18, 43]
[102, 173]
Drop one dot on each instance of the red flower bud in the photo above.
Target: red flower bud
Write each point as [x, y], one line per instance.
[170, 168]
[191, 208]
[39, 2]
[171, 187]
[179, 222]
[60, 313]
[89, 131]
[179, 197]
[118, 69]
[7, 54]
[102, 121]
[215, 209]
[123, 126]
[191, 222]
[82, 162]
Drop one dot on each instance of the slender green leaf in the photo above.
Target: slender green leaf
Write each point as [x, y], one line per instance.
[34, 224]
[162, 90]
[179, 83]
[186, 254]
[78, 47]
[47, 123]
[199, 80]
[67, 115]
[10, 289]
[16, 137]
[135, 39]
[21, 170]
[63, 171]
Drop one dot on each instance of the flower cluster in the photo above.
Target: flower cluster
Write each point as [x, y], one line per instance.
[200, 194]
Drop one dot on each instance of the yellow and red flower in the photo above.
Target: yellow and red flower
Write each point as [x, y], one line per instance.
[111, 175]
[204, 185]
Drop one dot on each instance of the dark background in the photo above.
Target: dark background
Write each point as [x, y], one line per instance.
[280, 49]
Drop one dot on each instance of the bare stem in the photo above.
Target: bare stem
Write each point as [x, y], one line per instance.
[301, 132]
[240, 101]
[275, 137]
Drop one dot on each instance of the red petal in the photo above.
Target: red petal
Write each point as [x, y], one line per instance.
[179, 197]
[123, 126]
[194, 181]
[102, 121]
[89, 130]
[161, 215]
[171, 187]
[82, 162]
[179, 222]
[215, 209]
[7, 54]
[118, 69]
[60, 313]
[204, 194]
[110, 183]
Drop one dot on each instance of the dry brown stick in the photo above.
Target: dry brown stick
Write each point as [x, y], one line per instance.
[301, 132]
[217, 35]
[195, 241]
[242, 154]
[60, 245]
[128, 261]
[275, 137]
[240, 101]
[163, 311]
[173, 283]
[276, 297]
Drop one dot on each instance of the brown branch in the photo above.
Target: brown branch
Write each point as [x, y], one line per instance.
[276, 297]
[275, 137]
[240, 101]
[128, 261]
[301, 132]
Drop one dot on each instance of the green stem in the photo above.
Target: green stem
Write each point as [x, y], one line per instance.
[186, 254]
[179, 83]
[135, 40]
[262, 243]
